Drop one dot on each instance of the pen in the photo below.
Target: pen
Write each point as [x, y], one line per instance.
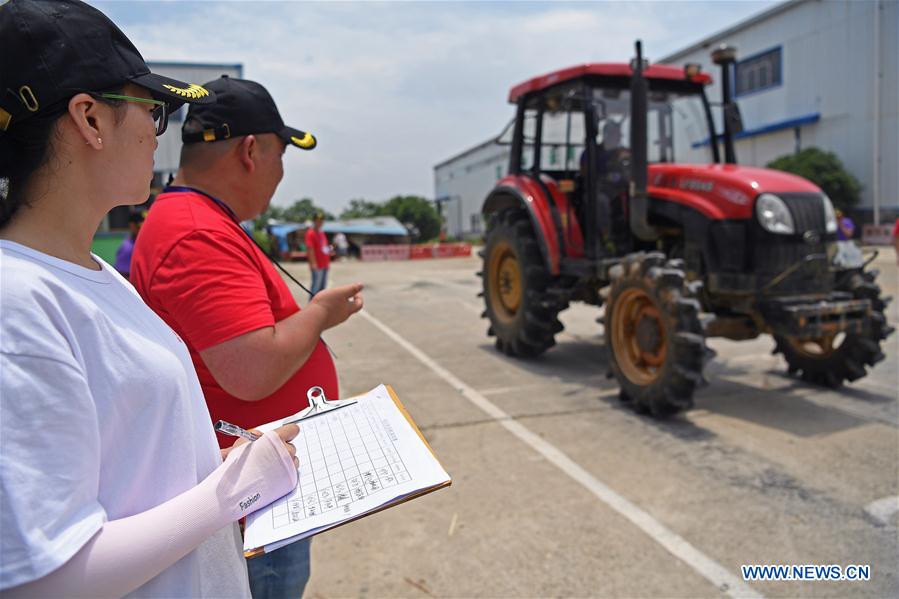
[226, 428]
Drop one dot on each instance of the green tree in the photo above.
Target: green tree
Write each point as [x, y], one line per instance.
[417, 213]
[271, 213]
[826, 171]
[361, 208]
[303, 210]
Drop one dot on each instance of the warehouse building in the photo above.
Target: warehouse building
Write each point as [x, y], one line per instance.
[462, 182]
[822, 73]
[818, 73]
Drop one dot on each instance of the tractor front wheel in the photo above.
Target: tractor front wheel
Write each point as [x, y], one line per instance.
[657, 347]
[522, 315]
[833, 359]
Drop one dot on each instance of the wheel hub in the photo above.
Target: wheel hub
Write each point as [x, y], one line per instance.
[504, 282]
[648, 334]
[639, 338]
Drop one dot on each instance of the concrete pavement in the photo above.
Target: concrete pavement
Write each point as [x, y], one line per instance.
[765, 470]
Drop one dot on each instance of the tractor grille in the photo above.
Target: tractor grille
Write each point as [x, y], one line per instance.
[774, 253]
[807, 209]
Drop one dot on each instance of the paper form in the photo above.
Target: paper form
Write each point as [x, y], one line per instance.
[352, 460]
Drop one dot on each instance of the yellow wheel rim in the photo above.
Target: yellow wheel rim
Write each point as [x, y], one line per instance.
[504, 278]
[636, 315]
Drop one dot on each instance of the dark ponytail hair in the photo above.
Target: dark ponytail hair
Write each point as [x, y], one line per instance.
[23, 150]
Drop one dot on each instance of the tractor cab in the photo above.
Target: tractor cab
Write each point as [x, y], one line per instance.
[573, 134]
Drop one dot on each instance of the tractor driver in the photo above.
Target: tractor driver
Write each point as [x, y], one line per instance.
[612, 158]
[612, 174]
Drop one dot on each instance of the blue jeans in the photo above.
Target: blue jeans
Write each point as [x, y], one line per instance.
[319, 281]
[281, 574]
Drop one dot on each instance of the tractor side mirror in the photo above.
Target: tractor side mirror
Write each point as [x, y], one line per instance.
[733, 117]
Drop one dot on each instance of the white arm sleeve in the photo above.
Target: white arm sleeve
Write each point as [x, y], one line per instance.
[126, 553]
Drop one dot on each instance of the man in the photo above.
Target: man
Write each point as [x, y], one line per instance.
[896, 240]
[342, 245]
[612, 162]
[123, 254]
[256, 353]
[318, 253]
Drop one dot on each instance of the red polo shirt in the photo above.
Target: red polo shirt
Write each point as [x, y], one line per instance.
[199, 271]
[317, 242]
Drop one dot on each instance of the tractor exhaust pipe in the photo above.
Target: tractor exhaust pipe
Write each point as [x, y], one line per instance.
[724, 56]
[639, 204]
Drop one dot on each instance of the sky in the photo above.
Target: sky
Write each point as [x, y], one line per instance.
[390, 89]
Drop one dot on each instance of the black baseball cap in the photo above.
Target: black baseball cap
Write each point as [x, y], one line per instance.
[54, 49]
[242, 107]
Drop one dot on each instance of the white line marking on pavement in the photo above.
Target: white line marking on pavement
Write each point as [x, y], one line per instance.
[679, 547]
[883, 509]
[452, 527]
[502, 390]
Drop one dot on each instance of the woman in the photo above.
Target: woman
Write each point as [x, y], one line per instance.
[110, 478]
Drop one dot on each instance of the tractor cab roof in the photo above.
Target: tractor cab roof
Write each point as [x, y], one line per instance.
[603, 69]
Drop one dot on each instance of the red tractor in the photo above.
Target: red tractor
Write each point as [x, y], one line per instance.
[676, 252]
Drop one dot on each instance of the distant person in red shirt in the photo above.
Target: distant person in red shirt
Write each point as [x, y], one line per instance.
[256, 353]
[318, 253]
[896, 239]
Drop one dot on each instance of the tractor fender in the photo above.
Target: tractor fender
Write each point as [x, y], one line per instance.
[569, 226]
[516, 191]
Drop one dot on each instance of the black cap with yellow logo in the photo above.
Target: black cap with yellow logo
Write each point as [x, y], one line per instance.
[242, 107]
[54, 49]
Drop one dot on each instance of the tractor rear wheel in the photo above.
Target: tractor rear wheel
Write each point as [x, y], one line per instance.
[656, 344]
[833, 359]
[522, 315]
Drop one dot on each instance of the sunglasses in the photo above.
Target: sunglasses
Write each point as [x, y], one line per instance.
[160, 112]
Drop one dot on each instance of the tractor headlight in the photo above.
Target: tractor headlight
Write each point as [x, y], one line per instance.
[830, 217]
[773, 214]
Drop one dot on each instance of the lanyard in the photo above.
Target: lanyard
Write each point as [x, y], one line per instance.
[233, 216]
[184, 189]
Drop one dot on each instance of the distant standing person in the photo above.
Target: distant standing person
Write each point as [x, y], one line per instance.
[318, 253]
[896, 239]
[845, 227]
[848, 254]
[341, 244]
[123, 255]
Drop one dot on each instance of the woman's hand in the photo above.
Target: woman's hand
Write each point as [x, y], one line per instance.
[287, 433]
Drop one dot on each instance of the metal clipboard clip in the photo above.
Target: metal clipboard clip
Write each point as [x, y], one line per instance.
[318, 405]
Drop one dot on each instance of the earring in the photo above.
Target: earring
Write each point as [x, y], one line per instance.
[99, 141]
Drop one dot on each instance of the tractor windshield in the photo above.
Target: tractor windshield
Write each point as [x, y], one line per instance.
[677, 128]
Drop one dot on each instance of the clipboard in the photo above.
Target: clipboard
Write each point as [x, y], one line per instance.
[319, 406]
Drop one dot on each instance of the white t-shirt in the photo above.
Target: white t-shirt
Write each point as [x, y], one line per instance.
[101, 417]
